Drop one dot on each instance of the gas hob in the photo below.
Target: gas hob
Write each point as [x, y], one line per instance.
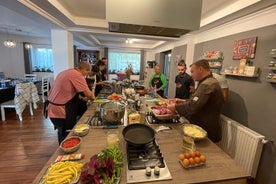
[142, 162]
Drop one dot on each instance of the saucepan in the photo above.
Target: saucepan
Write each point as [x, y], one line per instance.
[112, 112]
[138, 134]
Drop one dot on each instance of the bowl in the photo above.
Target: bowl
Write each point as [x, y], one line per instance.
[81, 130]
[70, 144]
[194, 131]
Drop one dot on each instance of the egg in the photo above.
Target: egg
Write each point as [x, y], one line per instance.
[192, 161]
[192, 154]
[197, 153]
[186, 162]
[181, 156]
[202, 158]
[187, 155]
[197, 160]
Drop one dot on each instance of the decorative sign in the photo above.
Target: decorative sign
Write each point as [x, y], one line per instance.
[245, 49]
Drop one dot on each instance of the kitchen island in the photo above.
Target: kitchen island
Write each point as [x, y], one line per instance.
[219, 167]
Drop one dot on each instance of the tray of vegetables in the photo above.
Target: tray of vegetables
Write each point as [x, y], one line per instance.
[104, 167]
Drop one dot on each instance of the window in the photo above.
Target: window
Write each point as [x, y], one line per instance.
[119, 61]
[42, 59]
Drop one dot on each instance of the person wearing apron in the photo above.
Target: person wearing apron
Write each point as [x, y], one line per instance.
[100, 78]
[62, 105]
[158, 80]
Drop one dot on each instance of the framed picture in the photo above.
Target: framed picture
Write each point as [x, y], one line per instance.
[245, 48]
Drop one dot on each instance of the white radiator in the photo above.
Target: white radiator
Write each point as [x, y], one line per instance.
[242, 144]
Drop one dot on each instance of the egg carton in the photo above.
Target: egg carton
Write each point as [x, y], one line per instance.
[191, 166]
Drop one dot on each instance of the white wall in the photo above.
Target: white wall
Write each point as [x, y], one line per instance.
[12, 59]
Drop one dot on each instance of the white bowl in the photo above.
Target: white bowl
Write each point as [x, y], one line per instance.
[194, 131]
[81, 129]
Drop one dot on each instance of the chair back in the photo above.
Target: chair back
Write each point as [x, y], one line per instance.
[30, 76]
[45, 86]
[2, 75]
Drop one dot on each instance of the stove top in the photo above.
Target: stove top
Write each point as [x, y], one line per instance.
[140, 157]
[142, 163]
[95, 121]
[151, 119]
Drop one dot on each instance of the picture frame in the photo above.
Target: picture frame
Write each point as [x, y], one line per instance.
[245, 48]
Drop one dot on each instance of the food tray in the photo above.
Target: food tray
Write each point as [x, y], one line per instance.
[191, 166]
[163, 117]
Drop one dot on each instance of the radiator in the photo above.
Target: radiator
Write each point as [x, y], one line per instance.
[242, 144]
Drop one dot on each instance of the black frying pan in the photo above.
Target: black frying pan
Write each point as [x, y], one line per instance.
[138, 134]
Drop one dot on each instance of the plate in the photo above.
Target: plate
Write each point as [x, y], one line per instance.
[43, 180]
[194, 131]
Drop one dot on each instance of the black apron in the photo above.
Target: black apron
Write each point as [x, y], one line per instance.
[71, 111]
[156, 81]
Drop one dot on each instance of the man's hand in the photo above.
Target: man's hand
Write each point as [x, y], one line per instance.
[171, 107]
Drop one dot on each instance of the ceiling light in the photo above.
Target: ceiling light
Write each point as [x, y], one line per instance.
[28, 46]
[10, 43]
[129, 40]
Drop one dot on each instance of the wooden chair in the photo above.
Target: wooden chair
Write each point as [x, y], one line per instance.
[45, 85]
[25, 94]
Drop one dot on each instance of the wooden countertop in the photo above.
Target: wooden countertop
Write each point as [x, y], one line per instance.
[219, 168]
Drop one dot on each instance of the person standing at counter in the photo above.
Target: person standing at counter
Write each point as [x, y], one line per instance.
[184, 82]
[64, 97]
[204, 106]
[158, 80]
[100, 78]
[105, 70]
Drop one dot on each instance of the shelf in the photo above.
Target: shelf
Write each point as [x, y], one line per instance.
[213, 59]
[270, 68]
[239, 75]
[271, 80]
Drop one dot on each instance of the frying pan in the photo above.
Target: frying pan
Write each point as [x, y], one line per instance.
[138, 134]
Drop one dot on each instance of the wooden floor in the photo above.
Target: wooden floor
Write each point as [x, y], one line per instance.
[25, 146]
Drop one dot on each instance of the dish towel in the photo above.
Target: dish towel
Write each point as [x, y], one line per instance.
[25, 93]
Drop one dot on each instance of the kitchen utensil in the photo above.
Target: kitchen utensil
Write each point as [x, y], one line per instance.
[112, 112]
[138, 134]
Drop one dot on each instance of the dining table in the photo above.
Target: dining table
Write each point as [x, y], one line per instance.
[7, 90]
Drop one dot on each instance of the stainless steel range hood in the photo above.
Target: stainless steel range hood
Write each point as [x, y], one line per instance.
[171, 18]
